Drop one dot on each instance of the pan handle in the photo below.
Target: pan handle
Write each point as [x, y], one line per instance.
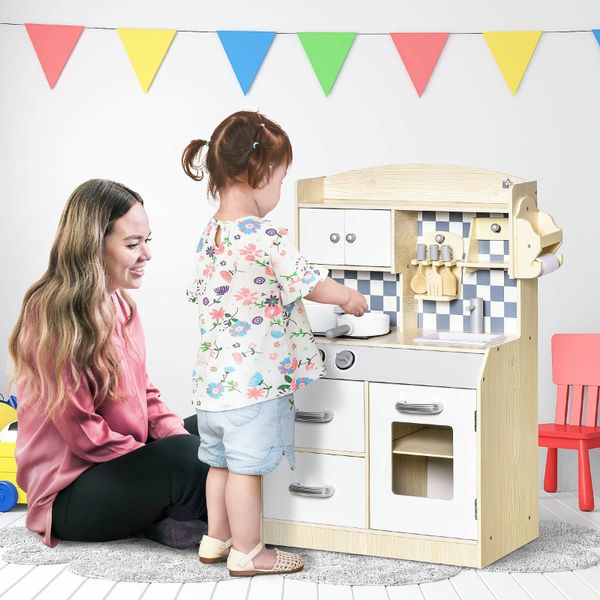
[339, 330]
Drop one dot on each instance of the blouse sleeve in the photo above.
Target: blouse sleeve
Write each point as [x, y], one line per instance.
[86, 433]
[295, 276]
[161, 421]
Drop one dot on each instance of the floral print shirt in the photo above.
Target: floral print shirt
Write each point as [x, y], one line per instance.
[256, 343]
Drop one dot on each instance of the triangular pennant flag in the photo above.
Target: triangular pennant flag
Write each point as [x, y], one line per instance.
[513, 51]
[327, 52]
[53, 45]
[596, 32]
[419, 53]
[246, 51]
[146, 49]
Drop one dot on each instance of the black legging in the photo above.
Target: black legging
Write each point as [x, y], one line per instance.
[121, 497]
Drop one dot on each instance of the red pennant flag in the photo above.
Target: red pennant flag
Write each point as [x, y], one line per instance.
[419, 53]
[53, 45]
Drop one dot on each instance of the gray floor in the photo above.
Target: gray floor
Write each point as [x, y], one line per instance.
[54, 582]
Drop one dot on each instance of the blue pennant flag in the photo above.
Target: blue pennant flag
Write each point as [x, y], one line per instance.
[246, 51]
[597, 34]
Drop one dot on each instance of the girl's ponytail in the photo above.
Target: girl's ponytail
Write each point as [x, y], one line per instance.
[189, 159]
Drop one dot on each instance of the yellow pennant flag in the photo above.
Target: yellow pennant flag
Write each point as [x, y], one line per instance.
[146, 49]
[513, 51]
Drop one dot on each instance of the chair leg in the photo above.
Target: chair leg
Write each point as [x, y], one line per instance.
[586, 490]
[551, 473]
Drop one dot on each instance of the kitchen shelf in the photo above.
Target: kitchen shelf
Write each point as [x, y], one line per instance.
[476, 265]
[429, 441]
[435, 298]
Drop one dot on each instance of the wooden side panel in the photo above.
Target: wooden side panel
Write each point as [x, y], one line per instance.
[405, 243]
[509, 511]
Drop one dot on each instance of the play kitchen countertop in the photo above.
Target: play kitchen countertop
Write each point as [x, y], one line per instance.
[406, 339]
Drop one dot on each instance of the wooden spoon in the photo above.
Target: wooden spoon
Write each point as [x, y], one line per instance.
[418, 284]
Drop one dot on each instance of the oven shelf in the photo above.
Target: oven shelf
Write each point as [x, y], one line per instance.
[429, 441]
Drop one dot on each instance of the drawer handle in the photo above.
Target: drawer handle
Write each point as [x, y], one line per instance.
[435, 408]
[304, 416]
[325, 491]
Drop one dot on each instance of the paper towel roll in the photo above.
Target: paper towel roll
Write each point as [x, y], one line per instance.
[549, 263]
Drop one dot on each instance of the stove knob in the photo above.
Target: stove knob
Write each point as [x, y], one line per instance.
[344, 359]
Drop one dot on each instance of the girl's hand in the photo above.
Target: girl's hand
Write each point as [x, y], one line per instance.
[356, 304]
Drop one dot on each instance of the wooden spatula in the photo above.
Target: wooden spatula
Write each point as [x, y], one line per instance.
[418, 284]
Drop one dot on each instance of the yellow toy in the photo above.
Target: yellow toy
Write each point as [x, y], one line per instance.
[10, 493]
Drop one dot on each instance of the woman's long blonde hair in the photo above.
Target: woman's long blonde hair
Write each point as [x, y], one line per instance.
[67, 317]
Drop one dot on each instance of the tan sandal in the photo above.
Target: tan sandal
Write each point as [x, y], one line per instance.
[213, 550]
[241, 565]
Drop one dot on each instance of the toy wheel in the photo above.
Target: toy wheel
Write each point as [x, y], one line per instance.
[8, 496]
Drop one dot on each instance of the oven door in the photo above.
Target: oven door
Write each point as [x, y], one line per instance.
[423, 460]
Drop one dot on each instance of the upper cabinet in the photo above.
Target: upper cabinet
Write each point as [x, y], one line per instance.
[346, 237]
[367, 219]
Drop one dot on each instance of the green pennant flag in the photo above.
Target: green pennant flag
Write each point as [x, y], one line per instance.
[326, 52]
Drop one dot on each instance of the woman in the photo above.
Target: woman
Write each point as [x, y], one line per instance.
[87, 409]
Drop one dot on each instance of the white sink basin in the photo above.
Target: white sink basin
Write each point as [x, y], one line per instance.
[445, 338]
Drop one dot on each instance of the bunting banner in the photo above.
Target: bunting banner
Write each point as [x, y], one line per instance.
[512, 51]
[326, 52]
[146, 49]
[246, 51]
[53, 45]
[420, 53]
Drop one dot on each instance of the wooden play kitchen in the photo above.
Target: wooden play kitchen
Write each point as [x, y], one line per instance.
[406, 449]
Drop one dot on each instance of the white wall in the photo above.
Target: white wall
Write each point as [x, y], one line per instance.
[98, 123]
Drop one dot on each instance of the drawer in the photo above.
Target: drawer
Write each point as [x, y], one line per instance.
[338, 486]
[330, 415]
[423, 453]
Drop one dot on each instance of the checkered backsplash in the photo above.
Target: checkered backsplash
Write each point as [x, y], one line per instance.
[499, 293]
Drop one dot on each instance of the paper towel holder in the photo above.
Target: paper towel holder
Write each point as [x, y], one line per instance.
[534, 235]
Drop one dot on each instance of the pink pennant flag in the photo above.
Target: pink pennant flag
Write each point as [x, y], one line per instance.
[419, 53]
[53, 45]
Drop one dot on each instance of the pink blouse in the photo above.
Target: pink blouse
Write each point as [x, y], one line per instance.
[52, 453]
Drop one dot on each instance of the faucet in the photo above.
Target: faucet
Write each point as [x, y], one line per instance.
[475, 309]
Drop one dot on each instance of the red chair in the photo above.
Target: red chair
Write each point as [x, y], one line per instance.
[575, 366]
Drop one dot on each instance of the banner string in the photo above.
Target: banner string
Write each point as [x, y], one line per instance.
[372, 33]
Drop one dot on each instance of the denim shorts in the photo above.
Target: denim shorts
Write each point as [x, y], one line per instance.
[250, 440]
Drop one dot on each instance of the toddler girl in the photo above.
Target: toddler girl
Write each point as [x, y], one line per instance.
[256, 346]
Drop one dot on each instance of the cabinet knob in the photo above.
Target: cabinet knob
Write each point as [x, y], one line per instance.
[350, 237]
[298, 489]
[335, 237]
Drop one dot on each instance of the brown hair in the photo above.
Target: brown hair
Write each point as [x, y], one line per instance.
[245, 145]
[66, 321]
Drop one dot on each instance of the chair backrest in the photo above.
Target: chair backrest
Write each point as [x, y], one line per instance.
[576, 365]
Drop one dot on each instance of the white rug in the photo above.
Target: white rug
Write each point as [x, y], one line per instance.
[560, 547]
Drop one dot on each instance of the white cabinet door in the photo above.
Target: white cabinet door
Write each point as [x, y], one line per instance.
[367, 234]
[323, 488]
[321, 235]
[330, 415]
[336, 236]
[423, 466]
